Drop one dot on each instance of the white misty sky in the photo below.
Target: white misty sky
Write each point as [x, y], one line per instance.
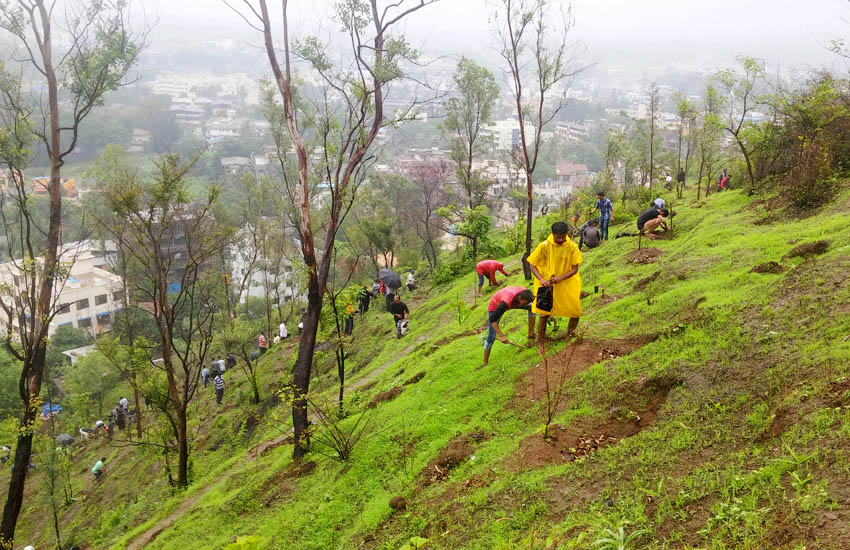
[790, 31]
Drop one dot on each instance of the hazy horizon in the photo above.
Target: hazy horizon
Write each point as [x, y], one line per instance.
[616, 32]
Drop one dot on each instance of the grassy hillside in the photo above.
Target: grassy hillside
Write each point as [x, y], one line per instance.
[705, 406]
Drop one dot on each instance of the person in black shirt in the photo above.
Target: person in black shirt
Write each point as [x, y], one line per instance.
[400, 314]
[649, 220]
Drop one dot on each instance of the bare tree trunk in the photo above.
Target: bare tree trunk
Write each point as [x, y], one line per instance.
[526, 268]
[31, 376]
[699, 178]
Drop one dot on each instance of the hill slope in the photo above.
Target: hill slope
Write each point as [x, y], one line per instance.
[705, 404]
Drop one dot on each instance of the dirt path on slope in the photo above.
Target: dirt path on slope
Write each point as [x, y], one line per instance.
[141, 541]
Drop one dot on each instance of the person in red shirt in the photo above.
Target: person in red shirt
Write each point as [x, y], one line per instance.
[512, 297]
[262, 343]
[488, 268]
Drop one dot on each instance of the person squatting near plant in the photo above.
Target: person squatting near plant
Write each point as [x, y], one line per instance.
[555, 264]
[606, 210]
[512, 297]
[97, 469]
[488, 268]
[589, 234]
[651, 219]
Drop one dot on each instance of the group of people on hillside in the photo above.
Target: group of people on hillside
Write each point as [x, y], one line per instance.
[555, 264]
[557, 288]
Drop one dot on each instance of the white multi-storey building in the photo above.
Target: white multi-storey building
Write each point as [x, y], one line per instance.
[87, 299]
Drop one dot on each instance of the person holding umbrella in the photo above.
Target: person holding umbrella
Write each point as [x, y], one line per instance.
[393, 282]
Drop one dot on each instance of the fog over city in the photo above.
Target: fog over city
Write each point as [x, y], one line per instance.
[616, 32]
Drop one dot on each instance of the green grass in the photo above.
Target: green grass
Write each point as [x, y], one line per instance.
[713, 471]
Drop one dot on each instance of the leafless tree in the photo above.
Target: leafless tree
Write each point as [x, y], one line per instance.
[542, 64]
[346, 123]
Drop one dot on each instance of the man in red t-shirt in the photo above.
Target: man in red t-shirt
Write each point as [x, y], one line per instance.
[488, 268]
[512, 297]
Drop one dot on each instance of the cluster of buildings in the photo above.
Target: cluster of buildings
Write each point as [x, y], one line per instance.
[209, 106]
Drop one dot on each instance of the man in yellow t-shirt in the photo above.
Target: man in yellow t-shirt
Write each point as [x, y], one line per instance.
[554, 263]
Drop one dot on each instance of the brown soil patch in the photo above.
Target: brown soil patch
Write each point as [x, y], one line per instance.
[282, 483]
[768, 267]
[643, 283]
[569, 362]
[388, 395]
[807, 250]
[839, 390]
[263, 448]
[398, 503]
[644, 256]
[415, 378]
[453, 455]
[608, 299]
[586, 435]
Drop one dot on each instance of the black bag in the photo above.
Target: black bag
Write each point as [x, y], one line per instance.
[545, 298]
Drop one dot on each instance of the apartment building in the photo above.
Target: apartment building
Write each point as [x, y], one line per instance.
[88, 298]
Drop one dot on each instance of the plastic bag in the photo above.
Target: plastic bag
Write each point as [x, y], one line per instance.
[545, 298]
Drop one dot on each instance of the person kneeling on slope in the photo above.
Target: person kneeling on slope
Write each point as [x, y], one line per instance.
[512, 297]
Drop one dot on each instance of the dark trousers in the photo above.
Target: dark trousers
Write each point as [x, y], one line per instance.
[603, 227]
[389, 300]
[349, 324]
[364, 305]
[219, 394]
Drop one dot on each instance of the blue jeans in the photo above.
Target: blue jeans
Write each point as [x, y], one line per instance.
[603, 227]
[491, 333]
[480, 280]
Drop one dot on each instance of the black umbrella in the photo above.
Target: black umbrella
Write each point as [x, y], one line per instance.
[65, 440]
[390, 278]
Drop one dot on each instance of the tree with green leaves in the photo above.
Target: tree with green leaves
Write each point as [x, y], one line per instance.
[86, 49]
[471, 223]
[239, 337]
[345, 124]
[542, 64]
[709, 138]
[740, 91]
[169, 242]
[467, 112]
[685, 138]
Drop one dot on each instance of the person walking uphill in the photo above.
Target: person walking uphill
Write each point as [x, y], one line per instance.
[606, 210]
[262, 343]
[219, 388]
[554, 264]
[400, 314]
[488, 268]
[512, 297]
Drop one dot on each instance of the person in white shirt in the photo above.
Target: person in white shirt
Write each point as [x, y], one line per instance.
[283, 332]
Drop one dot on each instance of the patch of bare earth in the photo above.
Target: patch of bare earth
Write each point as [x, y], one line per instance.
[583, 436]
[768, 267]
[285, 482]
[569, 362]
[458, 450]
[388, 395]
[644, 256]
